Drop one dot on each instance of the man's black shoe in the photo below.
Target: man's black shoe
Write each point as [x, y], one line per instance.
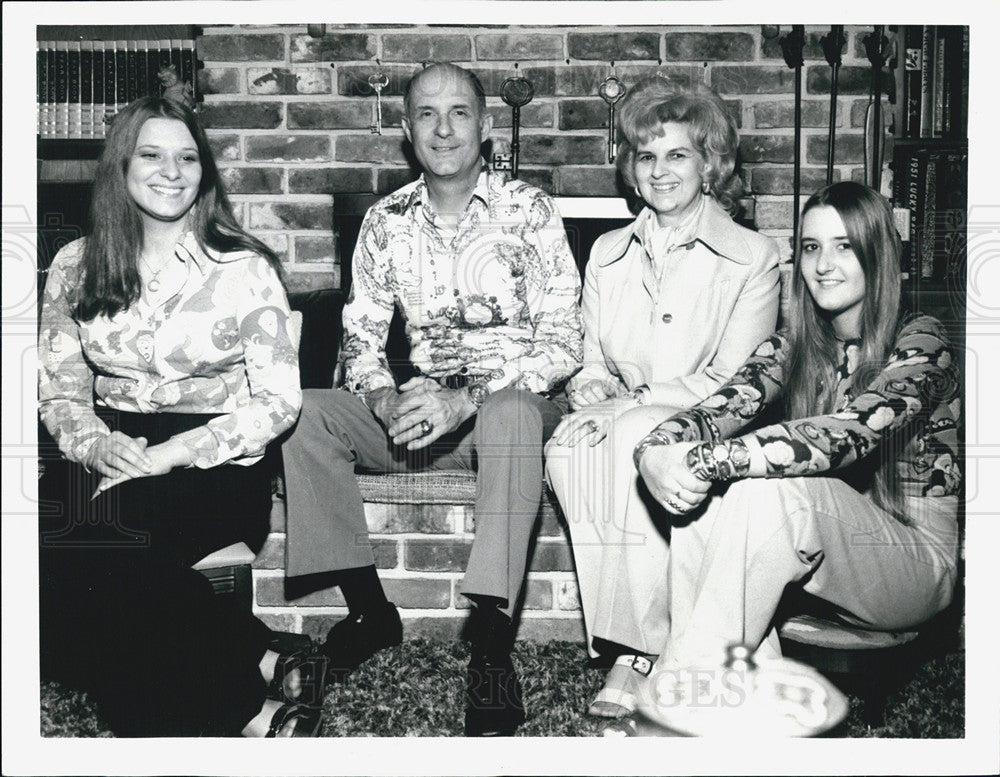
[356, 638]
[493, 706]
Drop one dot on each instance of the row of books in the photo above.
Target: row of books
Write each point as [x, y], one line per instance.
[83, 84]
[935, 84]
[929, 190]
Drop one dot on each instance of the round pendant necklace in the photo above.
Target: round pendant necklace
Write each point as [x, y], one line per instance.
[153, 284]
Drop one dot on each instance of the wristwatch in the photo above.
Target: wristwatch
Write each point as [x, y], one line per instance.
[478, 392]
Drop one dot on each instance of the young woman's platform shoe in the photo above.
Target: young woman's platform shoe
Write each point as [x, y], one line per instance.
[312, 678]
[307, 720]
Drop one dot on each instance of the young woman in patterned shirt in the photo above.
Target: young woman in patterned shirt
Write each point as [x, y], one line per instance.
[167, 365]
[853, 498]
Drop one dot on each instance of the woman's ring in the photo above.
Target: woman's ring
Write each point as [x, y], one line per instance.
[591, 426]
[426, 427]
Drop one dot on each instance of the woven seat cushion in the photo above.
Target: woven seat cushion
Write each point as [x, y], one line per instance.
[811, 630]
[444, 487]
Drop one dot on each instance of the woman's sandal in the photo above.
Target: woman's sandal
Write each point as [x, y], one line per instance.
[617, 698]
[312, 678]
[308, 720]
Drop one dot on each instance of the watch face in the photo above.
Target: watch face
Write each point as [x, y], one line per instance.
[720, 453]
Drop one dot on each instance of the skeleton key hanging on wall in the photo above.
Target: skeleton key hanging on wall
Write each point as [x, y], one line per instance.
[378, 82]
[516, 92]
[611, 91]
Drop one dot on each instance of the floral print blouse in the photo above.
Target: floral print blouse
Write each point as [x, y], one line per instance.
[912, 405]
[221, 345]
[495, 299]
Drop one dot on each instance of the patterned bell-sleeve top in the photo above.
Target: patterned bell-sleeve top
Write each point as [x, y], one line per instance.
[221, 345]
[911, 406]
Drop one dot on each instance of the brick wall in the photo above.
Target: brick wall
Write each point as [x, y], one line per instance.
[421, 552]
[289, 114]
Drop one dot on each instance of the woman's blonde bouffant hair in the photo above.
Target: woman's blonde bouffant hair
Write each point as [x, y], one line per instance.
[654, 101]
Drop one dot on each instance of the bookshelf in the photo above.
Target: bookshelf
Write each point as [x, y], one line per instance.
[86, 74]
[930, 164]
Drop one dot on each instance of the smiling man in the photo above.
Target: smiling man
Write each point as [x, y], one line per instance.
[481, 271]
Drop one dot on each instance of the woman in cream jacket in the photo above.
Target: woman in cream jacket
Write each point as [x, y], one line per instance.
[673, 304]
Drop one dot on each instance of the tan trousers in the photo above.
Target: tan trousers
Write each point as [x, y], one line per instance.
[729, 565]
[689, 588]
[617, 530]
[337, 435]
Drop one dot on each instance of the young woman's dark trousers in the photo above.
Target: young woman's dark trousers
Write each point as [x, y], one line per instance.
[123, 614]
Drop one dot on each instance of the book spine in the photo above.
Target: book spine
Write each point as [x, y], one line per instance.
[952, 219]
[913, 57]
[963, 107]
[110, 83]
[50, 102]
[926, 82]
[121, 74]
[901, 215]
[152, 68]
[914, 203]
[98, 112]
[87, 88]
[939, 87]
[141, 69]
[956, 80]
[132, 70]
[75, 109]
[62, 90]
[949, 82]
[41, 87]
[928, 219]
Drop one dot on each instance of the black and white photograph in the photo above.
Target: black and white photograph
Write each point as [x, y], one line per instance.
[499, 387]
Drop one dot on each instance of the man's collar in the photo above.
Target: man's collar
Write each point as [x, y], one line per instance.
[715, 229]
[483, 190]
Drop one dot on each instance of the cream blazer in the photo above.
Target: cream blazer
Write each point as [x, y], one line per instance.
[716, 301]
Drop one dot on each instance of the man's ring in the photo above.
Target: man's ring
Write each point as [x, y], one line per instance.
[674, 504]
[426, 427]
[591, 426]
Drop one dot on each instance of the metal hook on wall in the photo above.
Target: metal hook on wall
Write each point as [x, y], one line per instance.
[516, 92]
[611, 90]
[377, 81]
